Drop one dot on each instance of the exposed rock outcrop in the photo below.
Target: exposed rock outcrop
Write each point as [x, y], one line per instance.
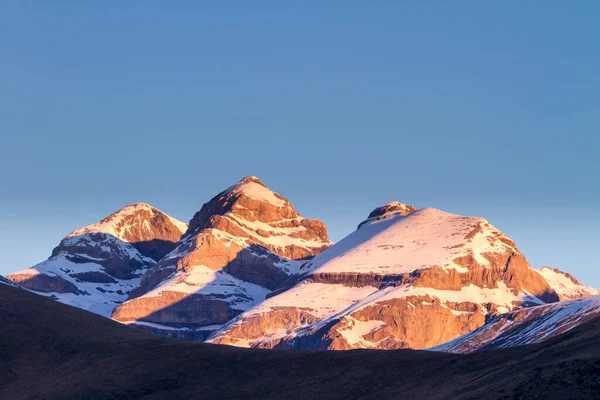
[388, 210]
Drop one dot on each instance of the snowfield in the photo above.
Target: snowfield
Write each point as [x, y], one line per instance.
[399, 244]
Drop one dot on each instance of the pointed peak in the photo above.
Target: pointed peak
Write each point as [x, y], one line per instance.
[129, 210]
[252, 179]
[135, 207]
[248, 199]
[253, 188]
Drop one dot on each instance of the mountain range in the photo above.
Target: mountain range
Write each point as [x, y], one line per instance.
[249, 271]
[50, 350]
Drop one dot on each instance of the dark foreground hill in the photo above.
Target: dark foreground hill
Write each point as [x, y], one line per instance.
[52, 351]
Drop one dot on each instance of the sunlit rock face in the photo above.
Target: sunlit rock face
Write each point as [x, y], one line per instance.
[97, 266]
[405, 278]
[238, 248]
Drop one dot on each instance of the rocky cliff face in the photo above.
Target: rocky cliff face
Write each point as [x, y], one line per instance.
[565, 285]
[95, 267]
[405, 278]
[527, 326]
[239, 247]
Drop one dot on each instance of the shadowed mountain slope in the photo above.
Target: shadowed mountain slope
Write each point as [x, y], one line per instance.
[53, 351]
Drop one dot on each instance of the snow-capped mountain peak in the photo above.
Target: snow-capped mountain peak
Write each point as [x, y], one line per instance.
[239, 247]
[253, 188]
[95, 267]
[133, 223]
[251, 211]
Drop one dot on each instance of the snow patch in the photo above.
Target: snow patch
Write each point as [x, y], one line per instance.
[256, 191]
[355, 330]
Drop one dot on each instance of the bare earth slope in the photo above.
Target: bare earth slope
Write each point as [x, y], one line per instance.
[67, 353]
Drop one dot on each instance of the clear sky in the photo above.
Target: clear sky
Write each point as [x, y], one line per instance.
[490, 109]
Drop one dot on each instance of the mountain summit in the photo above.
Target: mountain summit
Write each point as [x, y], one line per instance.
[404, 279]
[388, 210]
[95, 267]
[238, 248]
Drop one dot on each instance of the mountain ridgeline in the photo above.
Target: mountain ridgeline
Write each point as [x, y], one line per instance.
[250, 271]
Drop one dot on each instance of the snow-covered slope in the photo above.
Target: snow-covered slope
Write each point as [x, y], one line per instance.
[527, 326]
[397, 244]
[95, 267]
[403, 279]
[565, 285]
[239, 247]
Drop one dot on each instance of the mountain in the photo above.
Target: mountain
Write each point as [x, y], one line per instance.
[250, 271]
[404, 278]
[527, 326]
[238, 248]
[95, 267]
[565, 285]
[67, 353]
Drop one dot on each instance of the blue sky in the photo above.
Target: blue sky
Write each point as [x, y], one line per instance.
[487, 109]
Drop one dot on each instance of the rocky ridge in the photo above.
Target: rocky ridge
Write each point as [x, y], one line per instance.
[250, 271]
